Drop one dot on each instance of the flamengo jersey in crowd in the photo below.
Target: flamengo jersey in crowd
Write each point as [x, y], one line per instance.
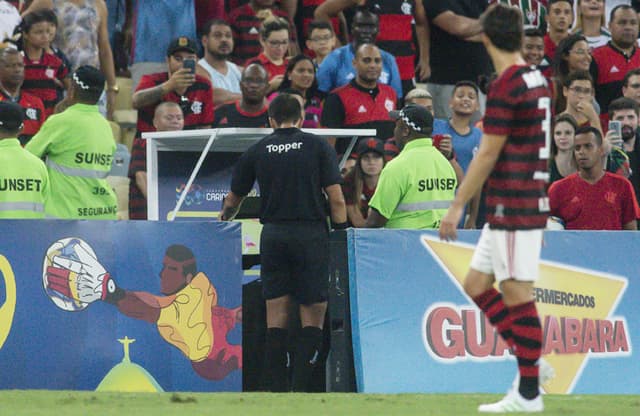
[197, 104]
[40, 79]
[396, 32]
[33, 114]
[245, 25]
[231, 115]
[519, 106]
[611, 66]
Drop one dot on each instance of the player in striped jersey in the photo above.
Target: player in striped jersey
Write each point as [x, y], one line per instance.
[512, 154]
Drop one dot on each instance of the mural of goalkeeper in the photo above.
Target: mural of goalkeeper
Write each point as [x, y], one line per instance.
[187, 315]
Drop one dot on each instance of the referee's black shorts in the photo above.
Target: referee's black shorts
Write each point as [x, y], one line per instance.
[295, 261]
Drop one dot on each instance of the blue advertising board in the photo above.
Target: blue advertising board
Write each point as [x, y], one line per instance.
[414, 329]
[172, 324]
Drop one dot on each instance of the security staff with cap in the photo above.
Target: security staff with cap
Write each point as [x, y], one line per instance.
[416, 188]
[78, 147]
[24, 182]
[293, 170]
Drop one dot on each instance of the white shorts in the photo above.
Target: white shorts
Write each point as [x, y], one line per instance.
[508, 254]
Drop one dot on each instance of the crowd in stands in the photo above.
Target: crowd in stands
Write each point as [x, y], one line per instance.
[197, 64]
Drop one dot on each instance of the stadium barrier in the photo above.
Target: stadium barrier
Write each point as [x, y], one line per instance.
[190, 341]
[414, 329]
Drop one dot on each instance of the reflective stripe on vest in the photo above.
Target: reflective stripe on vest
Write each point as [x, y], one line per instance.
[22, 206]
[83, 173]
[423, 206]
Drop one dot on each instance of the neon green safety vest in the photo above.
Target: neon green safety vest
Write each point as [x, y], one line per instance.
[416, 188]
[79, 147]
[24, 183]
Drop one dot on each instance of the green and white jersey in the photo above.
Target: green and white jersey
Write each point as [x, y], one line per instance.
[416, 188]
[24, 183]
[78, 147]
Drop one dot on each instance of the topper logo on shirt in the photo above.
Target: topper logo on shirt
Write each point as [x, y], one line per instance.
[283, 148]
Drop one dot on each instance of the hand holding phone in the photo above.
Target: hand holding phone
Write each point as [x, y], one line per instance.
[189, 64]
[615, 126]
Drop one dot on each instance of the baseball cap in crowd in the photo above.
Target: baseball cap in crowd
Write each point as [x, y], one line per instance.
[370, 145]
[11, 116]
[88, 77]
[415, 116]
[182, 43]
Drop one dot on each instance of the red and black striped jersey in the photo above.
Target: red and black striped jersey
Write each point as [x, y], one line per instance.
[519, 107]
[138, 163]
[245, 25]
[231, 115]
[33, 114]
[40, 79]
[396, 32]
[196, 103]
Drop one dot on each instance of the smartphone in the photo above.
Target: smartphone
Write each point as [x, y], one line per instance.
[616, 126]
[437, 138]
[190, 64]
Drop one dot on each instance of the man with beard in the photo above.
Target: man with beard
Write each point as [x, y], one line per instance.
[338, 68]
[616, 58]
[592, 199]
[251, 109]
[217, 42]
[363, 103]
[626, 111]
[180, 85]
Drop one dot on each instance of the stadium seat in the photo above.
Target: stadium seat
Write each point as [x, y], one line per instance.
[120, 185]
[123, 99]
[116, 130]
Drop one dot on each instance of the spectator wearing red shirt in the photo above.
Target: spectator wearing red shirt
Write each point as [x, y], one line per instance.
[251, 110]
[192, 92]
[11, 79]
[274, 38]
[592, 199]
[616, 58]
[559, 20]
[45, 73]
[245, 22]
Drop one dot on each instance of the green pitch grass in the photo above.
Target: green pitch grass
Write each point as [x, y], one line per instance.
[66, 403]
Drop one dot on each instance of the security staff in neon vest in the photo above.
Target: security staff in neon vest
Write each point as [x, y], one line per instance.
[24, 183]
[416, 188]
[78, 146]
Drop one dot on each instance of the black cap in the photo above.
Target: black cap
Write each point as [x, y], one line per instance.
[370, 145]
[415, 116]
[182, 43]
[88, 77]
[11, 116]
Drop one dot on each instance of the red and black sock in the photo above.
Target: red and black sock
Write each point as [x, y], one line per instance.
[491, 303]
[527, 339]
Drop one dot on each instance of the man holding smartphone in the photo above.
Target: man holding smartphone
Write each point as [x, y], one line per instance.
[180, 84]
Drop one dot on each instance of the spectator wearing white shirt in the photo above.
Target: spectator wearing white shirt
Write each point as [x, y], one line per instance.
[217, 42]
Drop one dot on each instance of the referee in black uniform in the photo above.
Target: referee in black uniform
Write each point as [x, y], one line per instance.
[293, 169]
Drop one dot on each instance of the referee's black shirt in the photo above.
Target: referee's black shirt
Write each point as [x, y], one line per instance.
[292, 168]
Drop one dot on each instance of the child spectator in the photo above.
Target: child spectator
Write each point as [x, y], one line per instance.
[45, 73]
[361, 181]
[321, 40]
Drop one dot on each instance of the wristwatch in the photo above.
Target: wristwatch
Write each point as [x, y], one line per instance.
[114, 88]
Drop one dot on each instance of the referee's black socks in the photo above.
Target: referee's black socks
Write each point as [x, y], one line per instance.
[306, 356]
[276, 361]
